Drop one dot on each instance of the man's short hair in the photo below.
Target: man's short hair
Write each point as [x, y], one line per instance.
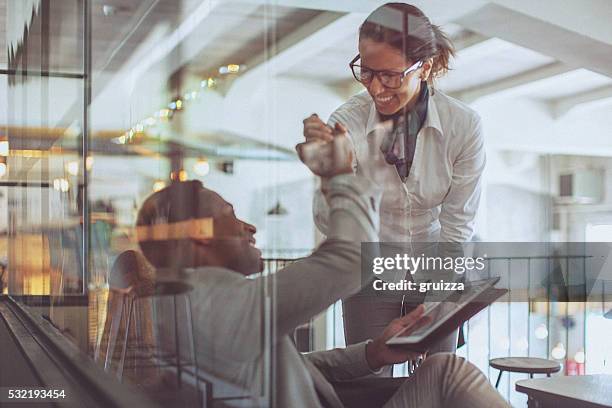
[181, 201]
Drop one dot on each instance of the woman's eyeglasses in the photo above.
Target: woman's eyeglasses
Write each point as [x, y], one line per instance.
[390, 79]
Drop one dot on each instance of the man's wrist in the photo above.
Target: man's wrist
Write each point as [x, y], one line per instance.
[372, 355]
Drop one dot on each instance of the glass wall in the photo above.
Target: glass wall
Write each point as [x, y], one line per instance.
[103, 104]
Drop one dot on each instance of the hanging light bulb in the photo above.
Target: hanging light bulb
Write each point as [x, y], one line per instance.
[558, 352]
[541, 332]
[73, 168]
[89, 162]
[4, 148]
[579, 357]
[201, 167]
[61, 184]
[183, 175]
[158, 185]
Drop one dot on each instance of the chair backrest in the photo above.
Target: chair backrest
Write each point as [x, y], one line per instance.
[148, 335]
[130, 277]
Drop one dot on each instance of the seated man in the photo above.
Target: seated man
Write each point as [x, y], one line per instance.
[190, 232]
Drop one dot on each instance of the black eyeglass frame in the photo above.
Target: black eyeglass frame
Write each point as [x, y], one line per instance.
[377, 74]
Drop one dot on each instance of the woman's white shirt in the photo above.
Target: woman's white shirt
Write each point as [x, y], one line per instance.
[439, 199]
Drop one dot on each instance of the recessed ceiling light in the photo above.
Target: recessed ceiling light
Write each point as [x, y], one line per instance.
[109, 10]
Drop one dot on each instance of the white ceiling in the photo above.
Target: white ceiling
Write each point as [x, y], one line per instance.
[564, 85]
[488, 61]
[513, 38]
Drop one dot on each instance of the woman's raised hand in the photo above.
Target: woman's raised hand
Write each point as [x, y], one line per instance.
[326, 152]
[316, 129]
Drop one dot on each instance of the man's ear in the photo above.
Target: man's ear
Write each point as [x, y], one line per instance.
[200, 243]
[426, 69]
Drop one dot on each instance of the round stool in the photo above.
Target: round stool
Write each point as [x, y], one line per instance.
[527, 365]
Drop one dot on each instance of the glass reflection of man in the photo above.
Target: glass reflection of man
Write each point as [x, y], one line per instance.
[190, 229]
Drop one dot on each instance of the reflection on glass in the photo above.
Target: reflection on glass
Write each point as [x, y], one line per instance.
[198, 90]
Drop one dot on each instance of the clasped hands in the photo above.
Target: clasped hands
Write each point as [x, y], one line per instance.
[327, 151]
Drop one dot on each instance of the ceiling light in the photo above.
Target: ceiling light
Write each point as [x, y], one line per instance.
[208, 83]
[558, 352]
[179, 104]
[230, 69]
[579, 357]
[541, 332]
[164, 113]
[2, 169]
[201, 167]
[227, 167]
[72, 168]
[89, 162]
[4, 148]
[109, 10]
[190, 95]
[120, 140]
[158, 185]
[61, 184]
[278, 209]
[183, 175]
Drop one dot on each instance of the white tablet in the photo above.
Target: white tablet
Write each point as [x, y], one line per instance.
[442, 312]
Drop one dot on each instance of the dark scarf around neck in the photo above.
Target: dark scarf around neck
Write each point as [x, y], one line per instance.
[398, 146]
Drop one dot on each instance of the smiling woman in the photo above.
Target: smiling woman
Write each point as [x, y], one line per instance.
[422, 147]
[400, 42]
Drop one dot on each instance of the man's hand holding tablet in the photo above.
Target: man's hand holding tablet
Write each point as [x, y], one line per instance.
[445, 317]
[379, 354]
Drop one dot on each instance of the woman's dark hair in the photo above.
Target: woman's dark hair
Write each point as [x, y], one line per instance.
[406, 28]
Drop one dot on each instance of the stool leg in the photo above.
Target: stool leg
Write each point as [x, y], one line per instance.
[532, 402]
[125, 340]
[177, 348]
[195, 357]
[498, 378]
[548, 375]
[531, 375]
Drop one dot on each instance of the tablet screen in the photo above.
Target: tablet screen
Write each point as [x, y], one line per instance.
[440, 312]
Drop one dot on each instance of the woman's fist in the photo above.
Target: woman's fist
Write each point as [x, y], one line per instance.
[327, 158]
[316, 129]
